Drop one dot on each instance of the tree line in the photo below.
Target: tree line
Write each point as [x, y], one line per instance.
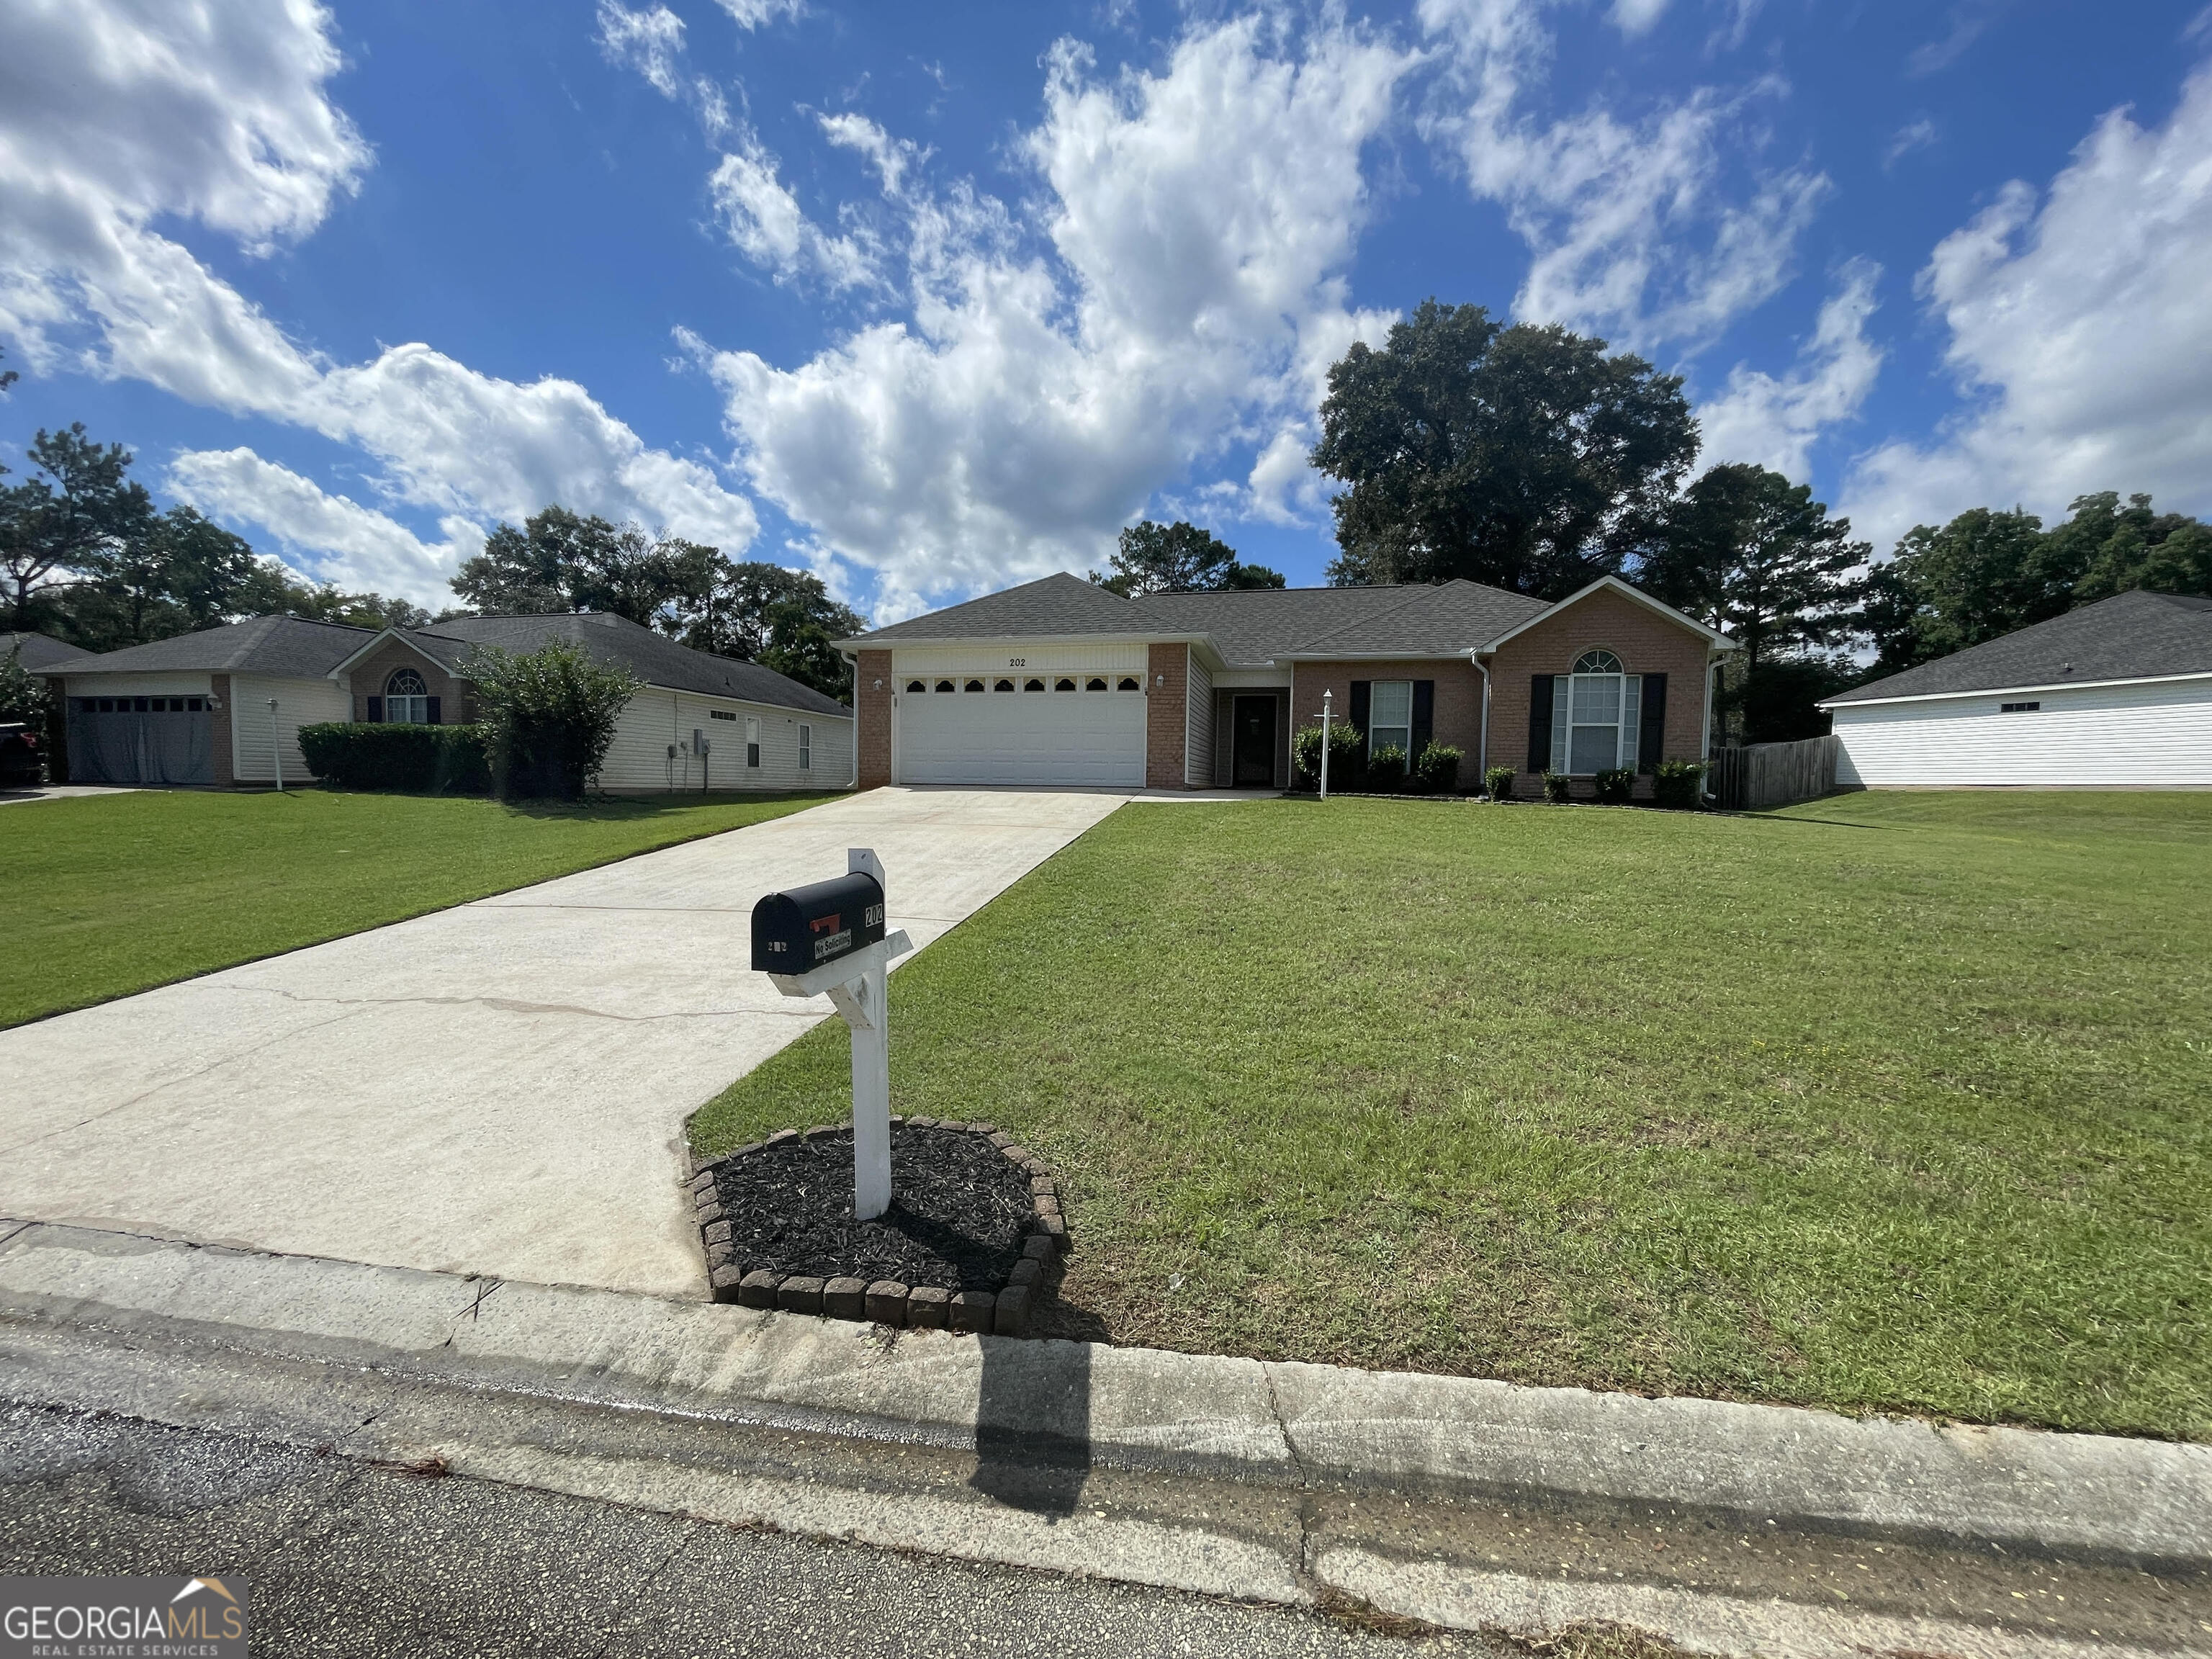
[86, 558]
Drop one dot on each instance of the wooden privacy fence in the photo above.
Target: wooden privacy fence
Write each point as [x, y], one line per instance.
[1773, 773]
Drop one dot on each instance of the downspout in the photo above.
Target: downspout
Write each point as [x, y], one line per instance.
[855, 744]
[1482, 738]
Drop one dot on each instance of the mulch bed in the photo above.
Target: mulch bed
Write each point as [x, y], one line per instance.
[959, 1213]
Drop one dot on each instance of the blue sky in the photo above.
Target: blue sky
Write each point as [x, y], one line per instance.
[933, 298]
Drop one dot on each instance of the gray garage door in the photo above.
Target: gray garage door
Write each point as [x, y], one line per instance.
[141, 740]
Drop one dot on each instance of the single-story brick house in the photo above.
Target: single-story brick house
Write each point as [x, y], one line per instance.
[2117, 693]
[1061, 681]
[196, 709]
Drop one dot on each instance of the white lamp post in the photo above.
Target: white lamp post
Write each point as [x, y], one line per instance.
[1325, 697]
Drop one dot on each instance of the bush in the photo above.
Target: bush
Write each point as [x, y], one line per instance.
[1348, 757]
[1386, 768]
[1555, 787]
[1616, 786]
[549, 716]
[1437, 770]
[1498, 780]
[432, 760]
[1678, 784]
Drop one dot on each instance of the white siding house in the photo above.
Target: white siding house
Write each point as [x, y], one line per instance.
[2115, 695]
[679, 741]
[255, 728]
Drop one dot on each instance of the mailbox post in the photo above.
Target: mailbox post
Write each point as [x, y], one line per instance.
[829, 938]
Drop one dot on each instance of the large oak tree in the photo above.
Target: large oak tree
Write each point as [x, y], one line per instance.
[1527, 457]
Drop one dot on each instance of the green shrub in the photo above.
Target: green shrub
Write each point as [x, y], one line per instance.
[1437, 770]
[1386, 768]
[1348, 757]
[549, 715]
[1616, 785]
[1498, 780]
[1555, 787]
[430, 760]
[1678, 784]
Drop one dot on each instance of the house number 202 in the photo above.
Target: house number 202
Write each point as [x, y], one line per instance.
[1017, 662]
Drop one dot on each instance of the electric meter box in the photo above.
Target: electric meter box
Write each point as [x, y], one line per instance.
[796, 932]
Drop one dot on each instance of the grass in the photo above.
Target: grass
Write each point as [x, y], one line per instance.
[1888, 1101]
[108, 895]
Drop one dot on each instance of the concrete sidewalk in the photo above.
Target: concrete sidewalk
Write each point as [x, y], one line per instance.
[495, 1089]
[1729, 1529]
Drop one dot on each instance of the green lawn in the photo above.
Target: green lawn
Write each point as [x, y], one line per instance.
[107, 895]
[1884, 1102]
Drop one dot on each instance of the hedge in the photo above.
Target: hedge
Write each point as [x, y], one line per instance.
[430, 760]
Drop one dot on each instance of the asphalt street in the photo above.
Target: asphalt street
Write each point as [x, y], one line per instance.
[344, 1558]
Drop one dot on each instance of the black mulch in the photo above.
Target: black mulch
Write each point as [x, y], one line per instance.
[959, 1210]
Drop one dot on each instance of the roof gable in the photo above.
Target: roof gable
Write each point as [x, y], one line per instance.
[286, 648]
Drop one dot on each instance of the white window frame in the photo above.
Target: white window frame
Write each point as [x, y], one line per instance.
[805, 747]
[752, 743]
[407, 707]
[1627, 724]
[1378, 730]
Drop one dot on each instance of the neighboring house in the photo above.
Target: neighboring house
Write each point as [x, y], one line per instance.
[1060, 682]
[195, 709]
[37, 651]
[2119, 693]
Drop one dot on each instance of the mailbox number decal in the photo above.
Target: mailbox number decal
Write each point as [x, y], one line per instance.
[831, 945]
[872, 916]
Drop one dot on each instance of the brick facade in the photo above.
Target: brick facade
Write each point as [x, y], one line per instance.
[1646, 643]
[456, 696]
[872, 707]
[1459, 697]
[1167, 715]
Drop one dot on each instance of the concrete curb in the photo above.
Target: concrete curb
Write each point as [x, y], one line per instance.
[1272, 1425]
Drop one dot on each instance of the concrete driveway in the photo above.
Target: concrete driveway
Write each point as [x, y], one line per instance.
[499, 1088]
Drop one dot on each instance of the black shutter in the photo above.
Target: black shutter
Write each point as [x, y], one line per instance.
[1652, 739]
[1540, 725]
[1360, 688]
[434, 720]
[1424, 719]
[375, 711]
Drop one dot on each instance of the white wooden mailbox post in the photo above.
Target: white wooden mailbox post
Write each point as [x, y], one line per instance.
[856, 982]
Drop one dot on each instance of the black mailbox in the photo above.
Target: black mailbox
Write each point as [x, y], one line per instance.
[797, 931]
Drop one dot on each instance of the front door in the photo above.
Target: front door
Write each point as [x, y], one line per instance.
[1253, 748]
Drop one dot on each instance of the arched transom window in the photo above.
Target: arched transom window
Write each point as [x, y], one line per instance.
[1595, 711]
[406, 698]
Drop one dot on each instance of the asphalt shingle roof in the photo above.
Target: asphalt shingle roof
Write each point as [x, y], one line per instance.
[1250, 626]
[2130, 636]
[282, 646]
[653, 658]
[37, 651]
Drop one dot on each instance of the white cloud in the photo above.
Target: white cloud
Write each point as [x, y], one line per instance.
[1639, 228]
[116, 115]
[341, 540]
[1774, 421]
[2080, 324]
[650, 42]
[892, 158]
[766, 223]
[758, 13]
[1635, 17]
[1916, 135]
[1188, 266]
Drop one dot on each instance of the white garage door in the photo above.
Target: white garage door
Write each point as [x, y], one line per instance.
[1023, 738]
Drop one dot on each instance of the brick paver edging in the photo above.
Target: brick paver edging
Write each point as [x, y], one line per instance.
[1004, 1312]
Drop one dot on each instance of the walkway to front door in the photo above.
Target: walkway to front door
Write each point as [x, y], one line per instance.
[1253, 745]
